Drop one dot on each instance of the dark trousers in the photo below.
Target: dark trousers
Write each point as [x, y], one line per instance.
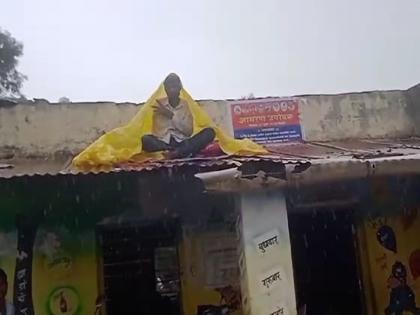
[188, 147]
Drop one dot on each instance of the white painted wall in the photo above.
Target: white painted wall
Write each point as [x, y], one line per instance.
[262, 213]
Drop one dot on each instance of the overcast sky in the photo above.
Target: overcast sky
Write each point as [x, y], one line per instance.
[121, 49]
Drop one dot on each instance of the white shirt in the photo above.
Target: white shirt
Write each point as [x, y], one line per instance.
[179, 127]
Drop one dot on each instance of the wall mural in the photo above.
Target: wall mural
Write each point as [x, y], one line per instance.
[48, 242]
[390, 234]
[401, 298]
[386, 237]
[62, 271]
[415, 264]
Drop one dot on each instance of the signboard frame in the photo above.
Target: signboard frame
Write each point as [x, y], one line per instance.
[267, 120]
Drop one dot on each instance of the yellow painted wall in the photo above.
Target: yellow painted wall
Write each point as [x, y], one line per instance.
[76, 277]
[82, 279]
[194, 290]
[377, 261]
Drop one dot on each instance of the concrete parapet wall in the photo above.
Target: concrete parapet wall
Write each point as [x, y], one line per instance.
[42, 128]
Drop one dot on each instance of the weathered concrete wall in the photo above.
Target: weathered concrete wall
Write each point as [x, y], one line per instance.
[361, 115]
[41, 128]
[46, 128]
[413, 101]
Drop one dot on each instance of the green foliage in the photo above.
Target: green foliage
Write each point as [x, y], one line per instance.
[10, 79]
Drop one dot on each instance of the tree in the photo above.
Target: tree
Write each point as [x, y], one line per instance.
[64, 100]
[10, 79]
[249, 97]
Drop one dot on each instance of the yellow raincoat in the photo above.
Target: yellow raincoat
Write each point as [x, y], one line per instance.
[124, 143]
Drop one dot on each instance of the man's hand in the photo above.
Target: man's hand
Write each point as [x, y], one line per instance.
[163, 110]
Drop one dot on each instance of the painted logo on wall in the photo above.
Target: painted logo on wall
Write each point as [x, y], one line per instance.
[56, 260]
[64, 301]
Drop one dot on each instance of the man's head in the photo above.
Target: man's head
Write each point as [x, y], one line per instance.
[3, 284]
[173, 86]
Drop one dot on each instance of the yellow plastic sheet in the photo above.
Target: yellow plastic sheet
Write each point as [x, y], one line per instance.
[124, 143]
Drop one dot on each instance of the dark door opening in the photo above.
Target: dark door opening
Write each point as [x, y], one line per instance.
[325, 262]
[140, 268]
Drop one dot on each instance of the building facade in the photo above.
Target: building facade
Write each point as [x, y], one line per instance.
[327, 223]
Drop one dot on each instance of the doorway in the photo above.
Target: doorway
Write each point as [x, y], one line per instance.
[325, 262]
[140, 268]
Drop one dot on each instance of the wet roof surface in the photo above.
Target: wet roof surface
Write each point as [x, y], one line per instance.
[296, 153]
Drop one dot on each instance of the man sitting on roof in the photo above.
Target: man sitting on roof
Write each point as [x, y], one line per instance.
[173, 125]
[169, 125]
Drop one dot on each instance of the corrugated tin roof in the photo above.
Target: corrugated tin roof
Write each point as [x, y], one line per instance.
[296, 153]
[31, 166]
[41, 167]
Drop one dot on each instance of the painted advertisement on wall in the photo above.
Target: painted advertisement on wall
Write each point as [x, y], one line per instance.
[61, 273]
[267, 121]
[391, 253]
[48, 244]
